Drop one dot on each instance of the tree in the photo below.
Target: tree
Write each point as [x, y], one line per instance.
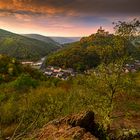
[127, 29]
[102, 86]
[109, 80]
[25, 82]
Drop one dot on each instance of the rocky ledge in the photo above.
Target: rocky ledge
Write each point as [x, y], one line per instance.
[80, 127]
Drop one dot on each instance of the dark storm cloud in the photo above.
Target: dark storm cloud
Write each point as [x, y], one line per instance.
[65, 17]
[73, 7]
[91, 6]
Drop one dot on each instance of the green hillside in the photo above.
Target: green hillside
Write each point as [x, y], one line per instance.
[82, 55]
[24, 48]
[42, 38]
[29, 103]
[92, 50]
[52, 39]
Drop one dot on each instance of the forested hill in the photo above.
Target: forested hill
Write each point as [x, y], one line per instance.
[53, 39]
[24, 48]
[42, 38]
[92, 50]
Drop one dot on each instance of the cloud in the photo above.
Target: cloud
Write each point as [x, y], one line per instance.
[69, 16]
[72, 7]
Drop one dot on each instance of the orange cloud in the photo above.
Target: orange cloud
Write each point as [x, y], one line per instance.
[33, 8]
[73, 7]
[65, 17]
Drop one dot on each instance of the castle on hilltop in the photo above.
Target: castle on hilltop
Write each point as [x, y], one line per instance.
[102, 32]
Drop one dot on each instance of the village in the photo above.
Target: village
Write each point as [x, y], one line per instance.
[64, 74]
[60, 73]
[51, 71]
[133, 67]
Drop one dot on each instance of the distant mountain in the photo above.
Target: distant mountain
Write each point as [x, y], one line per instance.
[53, 40]
[64, 40]
[42, 38]
[24, 48]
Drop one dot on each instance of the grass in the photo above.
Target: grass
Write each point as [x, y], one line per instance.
[37, 106]
[134, 106]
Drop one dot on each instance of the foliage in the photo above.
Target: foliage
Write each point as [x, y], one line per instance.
[76, 57]
[43, 38]
[95, 49]
[9, 68]
[25, 82]
[28, 100]
[105, 83]
[25, 108]
[24, 48]
[128, 29]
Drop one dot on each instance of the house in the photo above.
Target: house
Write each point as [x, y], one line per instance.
[133, 70]
[54, 74]
[57, 69]
[48, 72]
[59, 74]
[73, 74]
[133, 67]
[43, 59]
[37, 64]
[129, 66]
[137, 61]
[27, 63]
[137, 64]
[50, 67]
[64, 77]
[69, 70]
[126, 70]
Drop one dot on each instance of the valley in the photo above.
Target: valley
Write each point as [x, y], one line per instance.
[86, 89]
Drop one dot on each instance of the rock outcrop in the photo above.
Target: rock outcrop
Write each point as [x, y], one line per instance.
[75, 127]
[82, 127]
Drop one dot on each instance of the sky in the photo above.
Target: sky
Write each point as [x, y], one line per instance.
[65, 17]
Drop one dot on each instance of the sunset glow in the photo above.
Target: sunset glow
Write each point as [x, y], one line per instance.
[65, 17]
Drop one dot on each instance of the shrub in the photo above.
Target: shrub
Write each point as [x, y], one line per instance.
[25, 82]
